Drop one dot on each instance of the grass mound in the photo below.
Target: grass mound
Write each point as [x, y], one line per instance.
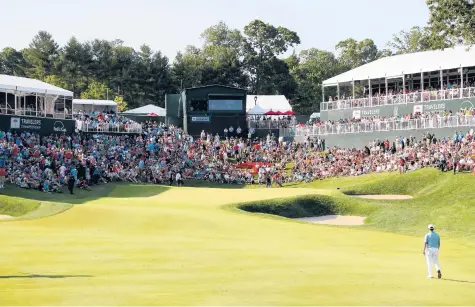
[295, 207]
[16, 206]
[306, 206]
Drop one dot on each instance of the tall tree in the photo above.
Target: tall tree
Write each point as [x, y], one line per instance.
[314, 66]
[451, 22]
[42, 55]
[415, 40]
[97, 90]
[262, 45]
[353, 53]
[12, 62]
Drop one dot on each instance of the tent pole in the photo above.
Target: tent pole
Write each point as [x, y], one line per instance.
[461, 81]
[36, 104]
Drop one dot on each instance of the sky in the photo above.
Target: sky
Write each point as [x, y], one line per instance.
[169, 26]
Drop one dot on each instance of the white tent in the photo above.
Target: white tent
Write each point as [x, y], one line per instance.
[411, 63]
[27, 85]
[148, 109]
[93, 105]
[268, 102]
[257, 110]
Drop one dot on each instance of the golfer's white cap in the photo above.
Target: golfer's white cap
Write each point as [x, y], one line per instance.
[431, 226]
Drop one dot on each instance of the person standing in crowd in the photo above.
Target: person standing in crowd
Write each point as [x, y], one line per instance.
[2, 172]
[71, 183]
[431, 251]
[179, 181]
[455, 161]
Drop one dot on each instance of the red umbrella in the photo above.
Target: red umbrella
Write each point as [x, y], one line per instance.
[289, 112]
[270, 113]
[152, 114]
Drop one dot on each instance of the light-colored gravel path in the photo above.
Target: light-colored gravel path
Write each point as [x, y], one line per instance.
[385, 197]
[339, 220]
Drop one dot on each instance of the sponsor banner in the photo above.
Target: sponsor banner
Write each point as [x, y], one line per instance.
[37, 124]
[357, 114]
[418, 108]
[370, 112]
[201, 119]
[434, 107]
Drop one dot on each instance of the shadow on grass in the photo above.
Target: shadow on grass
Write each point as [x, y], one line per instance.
[43, 276]
[80, 196]
[461, 281]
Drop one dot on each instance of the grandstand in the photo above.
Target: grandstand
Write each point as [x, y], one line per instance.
[408, 94]
[32, 105]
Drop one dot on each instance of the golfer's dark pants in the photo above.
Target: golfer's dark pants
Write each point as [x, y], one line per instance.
[71, 187]
[455, 168]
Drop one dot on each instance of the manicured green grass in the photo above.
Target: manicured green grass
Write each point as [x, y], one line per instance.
[150, 245]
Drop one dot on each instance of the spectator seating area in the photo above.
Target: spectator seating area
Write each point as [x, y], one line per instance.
[393, 97]
[429, 120]
[163, 154]
[110, 122]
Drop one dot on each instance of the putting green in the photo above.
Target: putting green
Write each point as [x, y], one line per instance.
[149, 245]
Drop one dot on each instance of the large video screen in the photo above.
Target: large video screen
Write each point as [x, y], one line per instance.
[225, 105]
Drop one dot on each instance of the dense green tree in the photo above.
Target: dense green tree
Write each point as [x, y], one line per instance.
[314, 66]
[451, 22]
[97, 90]
[12, 62]
[352, 53]
[263, 43]
[42, 56]
[415, 40]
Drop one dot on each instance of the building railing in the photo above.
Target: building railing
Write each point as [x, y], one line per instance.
[270, 124]
[389, 125]
[419, 97]
[108, 127]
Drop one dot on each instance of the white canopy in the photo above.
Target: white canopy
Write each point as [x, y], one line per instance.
[94, 102]
[257, 110]
[150, 108]
[412, 63]
[268, 102]
[27, 85]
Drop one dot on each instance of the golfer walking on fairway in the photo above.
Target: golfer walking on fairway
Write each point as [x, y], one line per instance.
[431, 251]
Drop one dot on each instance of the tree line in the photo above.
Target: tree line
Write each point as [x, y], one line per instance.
[251, 59]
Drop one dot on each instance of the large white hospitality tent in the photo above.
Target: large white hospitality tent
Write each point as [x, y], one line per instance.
[89, 105]
[436, 64]
[25, 96]
[267, 103]
[147, 110]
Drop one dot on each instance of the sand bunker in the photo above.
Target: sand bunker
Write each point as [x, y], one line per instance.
[5, 217]
[339, 220]
[385, 197]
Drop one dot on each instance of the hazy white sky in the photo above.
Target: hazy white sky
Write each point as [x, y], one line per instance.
[170, 26]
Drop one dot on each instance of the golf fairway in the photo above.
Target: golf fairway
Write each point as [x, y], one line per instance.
[151, 245]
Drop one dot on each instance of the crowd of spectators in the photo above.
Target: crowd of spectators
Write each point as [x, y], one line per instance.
[418, 120]
[166, 155]
[104, 121]
[450, 90]
[270, 121]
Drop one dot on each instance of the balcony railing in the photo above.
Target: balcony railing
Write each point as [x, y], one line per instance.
[108, 127]
[389, 125]
[419, 97]
[270, 124]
